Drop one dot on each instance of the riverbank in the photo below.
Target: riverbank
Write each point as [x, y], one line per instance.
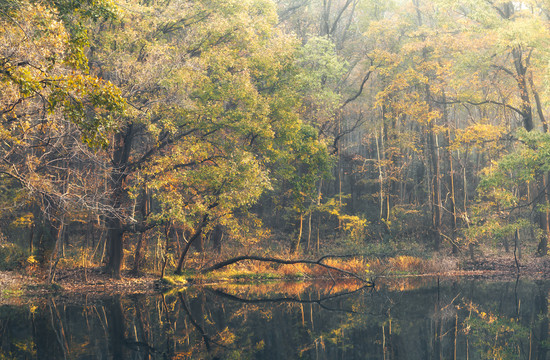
[15, 287]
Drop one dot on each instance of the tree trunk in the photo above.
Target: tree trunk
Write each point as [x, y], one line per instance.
[117, 183]
[433, 143]
[380, 179]
[138, 253]
[47, 238]
[31, 235]
[300, 230]
[217, 238]
[55, 254]
[115, 237]
[543, 244]
[384, 138]
[454, 225]
[340, 174]
[309, 231]
[436, 189]
[521, 78]
[521, 65]
[193, 238]
[144, 210]
[542, 248]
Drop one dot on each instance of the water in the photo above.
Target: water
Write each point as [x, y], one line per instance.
[401, 319]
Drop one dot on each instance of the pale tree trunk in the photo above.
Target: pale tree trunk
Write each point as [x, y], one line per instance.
[387, 183]
[542, 248]
[454, 226]
[339, 175]
[56, 251]
[465, 184]
[433, 143]
[316, 202]
[309, 231]
[436, 189]
[319, 194]
[380, 178]
[300, 229]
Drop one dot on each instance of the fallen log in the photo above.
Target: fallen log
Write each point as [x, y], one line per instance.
[318, 262]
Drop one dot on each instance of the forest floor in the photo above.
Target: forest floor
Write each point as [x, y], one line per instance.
[18, 288]
[532, 267]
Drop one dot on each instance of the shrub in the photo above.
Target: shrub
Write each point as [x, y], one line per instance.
[12, 257]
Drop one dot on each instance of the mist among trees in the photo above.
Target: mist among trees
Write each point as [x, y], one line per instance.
[135, 134]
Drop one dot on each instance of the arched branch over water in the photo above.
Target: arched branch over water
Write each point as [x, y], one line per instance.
[318, 262]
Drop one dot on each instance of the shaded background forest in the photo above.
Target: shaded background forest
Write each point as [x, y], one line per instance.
[136, 133]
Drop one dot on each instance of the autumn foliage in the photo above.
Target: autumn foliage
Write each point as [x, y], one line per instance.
[166, 135]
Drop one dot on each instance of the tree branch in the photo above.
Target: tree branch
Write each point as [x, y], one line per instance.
[478, 103]
[318, 262]
[360, 91]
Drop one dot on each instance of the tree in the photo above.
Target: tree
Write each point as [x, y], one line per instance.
[207, 84]
[53, 113]
[511, 57]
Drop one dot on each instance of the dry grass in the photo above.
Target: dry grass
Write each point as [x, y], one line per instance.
[295, 269]
[259, 270]
[403, 265]
[400, 265]
[408, 264]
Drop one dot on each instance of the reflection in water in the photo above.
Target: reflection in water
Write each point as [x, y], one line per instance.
[458, 319]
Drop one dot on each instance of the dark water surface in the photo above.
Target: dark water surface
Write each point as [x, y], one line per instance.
[401, 319]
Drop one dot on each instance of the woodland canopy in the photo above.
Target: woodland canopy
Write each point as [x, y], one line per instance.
[136, 133]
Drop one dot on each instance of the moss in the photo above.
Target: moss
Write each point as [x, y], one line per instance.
[8, 293]
[175, 280]
[168, 280]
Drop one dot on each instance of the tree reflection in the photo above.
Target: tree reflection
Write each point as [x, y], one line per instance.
[452, 320]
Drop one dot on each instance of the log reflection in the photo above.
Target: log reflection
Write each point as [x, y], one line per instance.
[457, 320]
